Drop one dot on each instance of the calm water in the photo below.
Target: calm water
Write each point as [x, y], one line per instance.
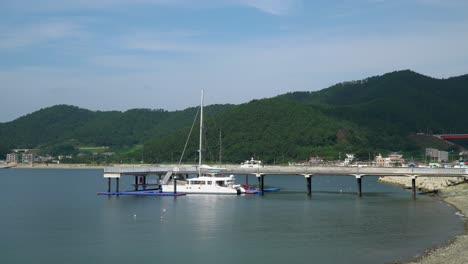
[55, 216]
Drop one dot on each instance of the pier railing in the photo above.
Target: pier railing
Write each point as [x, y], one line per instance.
[346, 171]
[295, 170]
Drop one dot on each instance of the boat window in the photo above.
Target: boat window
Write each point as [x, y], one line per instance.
[209, 182]
[220, 183]
[198, 182]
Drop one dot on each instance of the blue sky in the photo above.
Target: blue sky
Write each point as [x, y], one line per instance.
[122, 54]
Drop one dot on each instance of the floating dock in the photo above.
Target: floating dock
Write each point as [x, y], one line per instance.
[257, 191]
[142, 193]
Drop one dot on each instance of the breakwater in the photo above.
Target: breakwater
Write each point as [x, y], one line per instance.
[425, 184]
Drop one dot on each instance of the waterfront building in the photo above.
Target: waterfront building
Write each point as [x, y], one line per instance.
[381, 161]
[27, 158]
[393, 160]
[437, 155]
[12, 158]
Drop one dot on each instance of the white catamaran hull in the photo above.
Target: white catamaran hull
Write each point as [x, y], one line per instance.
[202, 189]
[206, 185]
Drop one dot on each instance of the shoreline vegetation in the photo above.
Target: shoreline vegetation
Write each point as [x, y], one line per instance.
[453, 191]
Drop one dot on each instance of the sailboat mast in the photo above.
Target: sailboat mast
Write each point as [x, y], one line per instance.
[201, 133]
[220, 149]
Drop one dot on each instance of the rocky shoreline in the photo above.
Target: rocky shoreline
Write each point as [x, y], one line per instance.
[424, 184]
[455, 192]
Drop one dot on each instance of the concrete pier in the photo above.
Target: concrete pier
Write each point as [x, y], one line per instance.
[283, 171]
[359, 185]
[260, 182]
[309, 184]
[413, 185]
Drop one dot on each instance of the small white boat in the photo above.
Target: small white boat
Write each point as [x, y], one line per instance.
[252, 163]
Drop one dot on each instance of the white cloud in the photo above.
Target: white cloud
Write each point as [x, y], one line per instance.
[31, 34]
[274, 7]
[239, 72]
[169, 41]
[444, 3]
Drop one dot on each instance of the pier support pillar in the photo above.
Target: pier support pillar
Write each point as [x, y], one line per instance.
[260, 182]
[108, 185]
[159, 182]
[247, 179]
[144, 182]
[359, 183]
[117, 184]
[175, 184]
[309, 184]
[136, 183]
[413, 185]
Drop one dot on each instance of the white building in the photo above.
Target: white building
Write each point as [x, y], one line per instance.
[12, 158]
[437, 155]
[393, 160]
[27, 158]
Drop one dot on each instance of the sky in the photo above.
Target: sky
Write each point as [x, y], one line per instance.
[124, 54]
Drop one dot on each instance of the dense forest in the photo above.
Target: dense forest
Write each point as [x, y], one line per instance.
[378, 114]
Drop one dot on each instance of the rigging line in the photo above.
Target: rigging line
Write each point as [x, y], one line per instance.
[188, 138]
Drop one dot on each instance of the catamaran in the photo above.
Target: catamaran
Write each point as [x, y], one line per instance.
[212, 182]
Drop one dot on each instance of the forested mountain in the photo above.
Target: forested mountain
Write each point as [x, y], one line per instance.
[405, 100]
[366, 116]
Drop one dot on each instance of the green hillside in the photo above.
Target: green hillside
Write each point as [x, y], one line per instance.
[378, 114]
[405, 101]
[275, 130]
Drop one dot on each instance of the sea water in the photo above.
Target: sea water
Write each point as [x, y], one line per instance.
[55, 216]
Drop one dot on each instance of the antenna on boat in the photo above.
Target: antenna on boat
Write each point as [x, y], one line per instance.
[201, 135]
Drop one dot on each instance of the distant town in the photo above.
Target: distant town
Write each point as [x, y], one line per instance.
[434, 158]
